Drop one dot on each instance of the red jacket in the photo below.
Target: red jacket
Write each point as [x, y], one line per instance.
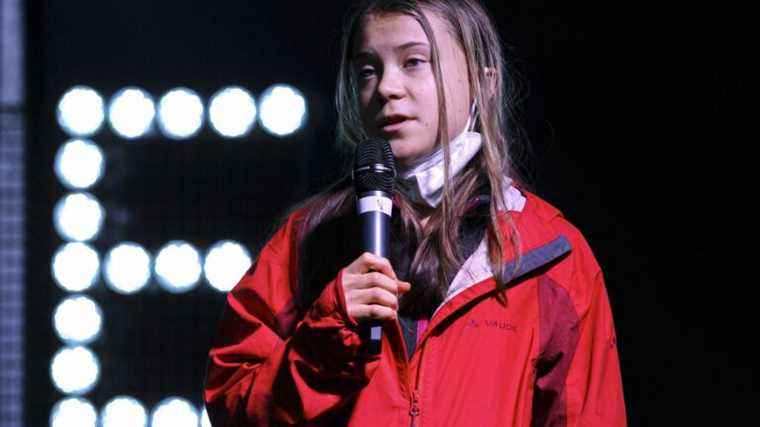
[546, 355]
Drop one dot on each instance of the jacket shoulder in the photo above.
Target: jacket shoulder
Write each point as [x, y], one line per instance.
[282, 244]
[270, 280]
[578, 272]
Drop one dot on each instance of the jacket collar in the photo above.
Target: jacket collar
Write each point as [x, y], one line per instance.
[423, 183]
[546, 245]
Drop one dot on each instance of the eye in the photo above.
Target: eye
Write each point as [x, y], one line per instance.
[414, 62]
[365, 72]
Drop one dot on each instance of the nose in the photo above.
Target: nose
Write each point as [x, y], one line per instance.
[391, 84]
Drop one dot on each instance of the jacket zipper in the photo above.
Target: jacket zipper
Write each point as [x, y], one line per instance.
[415, 410]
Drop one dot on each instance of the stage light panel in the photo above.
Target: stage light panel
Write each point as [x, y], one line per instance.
[77, 320]
[225, 264]
[79, 164]
[180, 113]
[78, 217]
[80, 111]
[174, 412]
[232, 112]
[75, 370]
[131, 112]
[123, 411]
[127, 268]
[282, 110]
[178, 266]
[73, 411]
[75, 266]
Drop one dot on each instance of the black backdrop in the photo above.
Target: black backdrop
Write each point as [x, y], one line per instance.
[626, 108]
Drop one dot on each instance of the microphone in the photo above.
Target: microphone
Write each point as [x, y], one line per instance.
[374, 176]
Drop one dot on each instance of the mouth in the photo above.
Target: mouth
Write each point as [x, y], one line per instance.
[392, 122]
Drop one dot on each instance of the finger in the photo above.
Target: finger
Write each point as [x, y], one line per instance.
[371, 262]
[403, 287]
[375, 279]
[362, 312]
[374, 296]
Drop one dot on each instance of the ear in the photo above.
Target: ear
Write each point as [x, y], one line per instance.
[490, 74]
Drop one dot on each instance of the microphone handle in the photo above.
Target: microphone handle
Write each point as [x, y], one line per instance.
[375, 214]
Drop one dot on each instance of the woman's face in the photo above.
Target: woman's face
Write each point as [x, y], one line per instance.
[397, 91]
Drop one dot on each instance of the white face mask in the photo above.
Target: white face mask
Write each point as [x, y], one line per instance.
[423, 181]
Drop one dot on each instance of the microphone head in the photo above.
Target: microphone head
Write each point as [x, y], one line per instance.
[374, 166]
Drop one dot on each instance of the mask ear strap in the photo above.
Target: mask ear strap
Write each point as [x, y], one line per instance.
[472, 119]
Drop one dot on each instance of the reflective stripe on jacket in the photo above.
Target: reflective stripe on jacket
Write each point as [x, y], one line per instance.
[545, 355]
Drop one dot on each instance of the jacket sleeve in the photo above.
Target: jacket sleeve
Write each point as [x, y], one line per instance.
[578, 381]
[594, 384]
[259, 373]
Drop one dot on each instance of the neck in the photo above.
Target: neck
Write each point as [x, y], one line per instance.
[422, 182]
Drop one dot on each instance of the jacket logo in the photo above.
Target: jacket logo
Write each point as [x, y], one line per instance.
[495, 324]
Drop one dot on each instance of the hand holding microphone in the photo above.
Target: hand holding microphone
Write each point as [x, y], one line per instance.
[372, 289]
[369, 283]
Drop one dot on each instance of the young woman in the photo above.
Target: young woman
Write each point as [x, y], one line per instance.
[493, 307]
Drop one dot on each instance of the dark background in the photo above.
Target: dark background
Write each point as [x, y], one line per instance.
[626, 110]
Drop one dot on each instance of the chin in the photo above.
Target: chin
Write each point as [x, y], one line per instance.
[406, 154]
[402, 153]
[408, 159]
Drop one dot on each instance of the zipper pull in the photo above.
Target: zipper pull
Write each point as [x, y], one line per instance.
[415, 404]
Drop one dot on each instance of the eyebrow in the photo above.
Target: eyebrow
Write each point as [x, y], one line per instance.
[407, 45]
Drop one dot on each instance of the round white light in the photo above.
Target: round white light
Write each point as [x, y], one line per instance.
[77, 320]
[127, 268]
[232, 112]
[174, 412]
[79, 164]
[131, 112]
[73, 411]
[74, 370]
[75, 266]
[225, 264]
[78, 216]
[178, 266]
[80, 111]
[282, 110]
[123, 411]
[180, 113]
